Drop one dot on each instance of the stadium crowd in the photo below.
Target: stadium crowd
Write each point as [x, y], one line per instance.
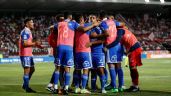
[150, 31]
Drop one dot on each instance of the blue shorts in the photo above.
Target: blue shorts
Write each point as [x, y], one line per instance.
[27, 61]
[98, 60]
[115, 54]
[83, 60]
[64, 56]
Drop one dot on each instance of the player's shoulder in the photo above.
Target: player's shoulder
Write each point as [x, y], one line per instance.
[25, 31]
[103, 23]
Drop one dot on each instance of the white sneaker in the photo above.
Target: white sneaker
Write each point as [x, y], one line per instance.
[77, 90]
[85, 91]
[104, 91]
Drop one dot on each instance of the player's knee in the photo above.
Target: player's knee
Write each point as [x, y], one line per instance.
[133, 67]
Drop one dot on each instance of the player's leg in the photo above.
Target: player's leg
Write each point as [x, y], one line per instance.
[86, 65]
[102, 79]
[134, 61]
[32, 70]
[77, 72]
[111, 59]
[93, 79]
[99, 63]
[27, 63]
[106, 76]
[77, 81]
[119, 71]
[118, 67]
[58, 61]
[50, 85]
[68, 63]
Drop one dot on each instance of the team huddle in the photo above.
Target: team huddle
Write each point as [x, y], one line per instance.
[88, 44]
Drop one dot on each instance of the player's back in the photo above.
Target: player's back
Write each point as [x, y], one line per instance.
[112, 31]
[65, 33]
[128, 39]
[25, 35]
[81, 39]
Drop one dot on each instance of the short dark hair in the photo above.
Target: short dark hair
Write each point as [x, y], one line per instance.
[58, 16]
[67, 14]
[77, 17]
[102, 14]
[27, 20]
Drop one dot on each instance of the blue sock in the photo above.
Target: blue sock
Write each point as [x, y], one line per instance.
[56, 77]
[113, 77]
[93, 82]
[120, 77]
[84, 80]
[116, 71]
[67, 78]
[26, 81]
[52, 78]
[106, 75]
[103, 81]
[76, 80]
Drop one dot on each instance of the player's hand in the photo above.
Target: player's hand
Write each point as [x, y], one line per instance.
[96, 24]
[38, 43]
[39, 46]
[89, 44]
[105, 49]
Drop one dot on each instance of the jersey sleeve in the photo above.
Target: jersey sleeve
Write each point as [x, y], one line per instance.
[117, 23]
[55, 27]
[25, 35]
[75, 25]
[104, 26]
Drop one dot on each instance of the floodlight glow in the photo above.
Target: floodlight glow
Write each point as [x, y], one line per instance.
[98, 0]
[162, 1]
[114, 0]
[147, 1]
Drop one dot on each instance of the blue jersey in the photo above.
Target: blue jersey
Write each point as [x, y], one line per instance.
[96, 48]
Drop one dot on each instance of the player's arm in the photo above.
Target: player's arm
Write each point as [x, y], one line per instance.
[104, 35]
[25, 36]
[119, 24]
[84, 29]
[89, 44]
[120, 34]
[96, 42]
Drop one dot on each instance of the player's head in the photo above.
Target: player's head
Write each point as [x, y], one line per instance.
[93, 18]
[60, 17]
[111, 17]
[79, 18]
[29, 23]
[68, 15]
[102, 14]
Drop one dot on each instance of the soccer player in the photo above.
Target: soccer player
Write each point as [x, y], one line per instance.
[52, 42]
[25, 53]
[82, 56]
[98, 57]
[64, 49]
[114, 54]
[134, 50]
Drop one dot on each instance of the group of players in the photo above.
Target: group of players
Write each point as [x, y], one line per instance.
[88, 44]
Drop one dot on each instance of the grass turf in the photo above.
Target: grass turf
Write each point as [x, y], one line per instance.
[155, 79]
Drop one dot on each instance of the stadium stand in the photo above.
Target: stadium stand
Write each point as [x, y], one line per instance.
[151, 31]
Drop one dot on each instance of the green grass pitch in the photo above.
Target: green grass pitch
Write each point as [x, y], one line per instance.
[155, 79]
